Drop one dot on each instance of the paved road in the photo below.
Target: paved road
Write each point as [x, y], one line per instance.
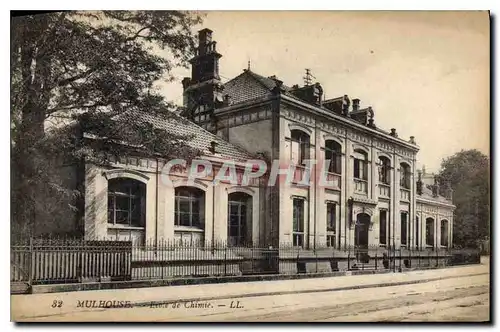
[456, 298]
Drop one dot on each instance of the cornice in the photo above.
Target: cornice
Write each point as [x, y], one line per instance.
[350, 123]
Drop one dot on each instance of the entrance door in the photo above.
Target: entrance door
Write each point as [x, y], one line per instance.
[361, 231]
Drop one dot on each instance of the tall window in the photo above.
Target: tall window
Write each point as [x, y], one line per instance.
[360, 165]
[333, 153]
[300, 146]
[383, 227]
[298, 222]
[384, 170]
[417, 231]
[404, 228]
[404, 180]
[331, 223]
[331, 217]
[429, 232]
[189, 206]
[444, 233]
[126, 202]
[238, 218]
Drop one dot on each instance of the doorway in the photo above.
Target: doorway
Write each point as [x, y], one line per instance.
[361, 231]
[361, 237]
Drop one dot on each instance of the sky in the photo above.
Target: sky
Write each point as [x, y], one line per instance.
[424, 73]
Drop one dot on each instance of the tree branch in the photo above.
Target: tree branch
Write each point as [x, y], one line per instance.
[137, 34]
[76, 77]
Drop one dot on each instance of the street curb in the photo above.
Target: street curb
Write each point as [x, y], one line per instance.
[386, 284]
[158, 303]
[109, 285]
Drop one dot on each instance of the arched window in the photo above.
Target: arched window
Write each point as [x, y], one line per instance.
[444, 232]
[360, 165]
[429, 232]
[300, 146]
[384, 170]
[405, 176]
[126, 202]
[333, 153]
[189, 207]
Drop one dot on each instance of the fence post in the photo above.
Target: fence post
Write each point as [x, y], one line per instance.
[392, 260]
[400, 259]
[409, 257]
[80, 263]
[376, 257]
[348, 259]
[316, 254]
[32, 263]
[225, 260]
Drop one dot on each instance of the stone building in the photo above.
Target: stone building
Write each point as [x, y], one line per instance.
[373, 196]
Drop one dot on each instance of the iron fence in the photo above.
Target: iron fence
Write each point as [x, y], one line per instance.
[56, 260]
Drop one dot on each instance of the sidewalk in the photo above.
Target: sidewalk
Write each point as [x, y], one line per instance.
[41, 304]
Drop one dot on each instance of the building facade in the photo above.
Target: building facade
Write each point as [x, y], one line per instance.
[373, 194]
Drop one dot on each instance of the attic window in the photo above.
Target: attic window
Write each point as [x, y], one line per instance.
[212, 147]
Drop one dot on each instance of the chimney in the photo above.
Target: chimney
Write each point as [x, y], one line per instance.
[355, 104]
[318, 94]
[393, 132]
[371, 115]
[345, 105]
[279, 87]
[204, 40]
[419, 183]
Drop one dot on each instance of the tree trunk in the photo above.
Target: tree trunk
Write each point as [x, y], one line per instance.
[30, 132]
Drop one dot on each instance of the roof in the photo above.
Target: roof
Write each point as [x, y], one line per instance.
[201, 138]
[247, 86]
[250, 85]
[427, 194]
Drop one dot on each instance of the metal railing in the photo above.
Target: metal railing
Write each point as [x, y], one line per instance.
[43, 261]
